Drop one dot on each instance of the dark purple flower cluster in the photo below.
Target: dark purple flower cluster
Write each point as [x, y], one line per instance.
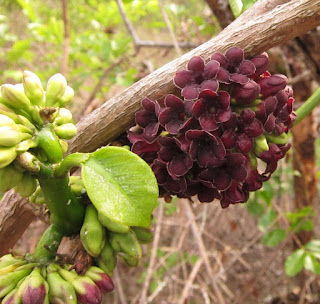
[224, 135]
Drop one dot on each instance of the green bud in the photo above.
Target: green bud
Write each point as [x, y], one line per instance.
[27, 185]
[112, 225]
[67, 96]
[6, 121]
[107, 260]
[63, 116]
[126, 243]
[33, 88]
[13, 96]
[60, 291]
[281, 139]
[7, 155]
[253, 161]
[55, 89]
[77, 186]
[64, 145]
[144, 235]
[10, 136]
[10, 280]
[9, 178]
[8, 112]
[66, 131]
[25, 145]
[36, 117]
[26, 122]
[9, 259]
[130, 261]
[260, 145]
[37, 197]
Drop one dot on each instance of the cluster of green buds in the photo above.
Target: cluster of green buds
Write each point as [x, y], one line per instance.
[29, 283]
[105, 240]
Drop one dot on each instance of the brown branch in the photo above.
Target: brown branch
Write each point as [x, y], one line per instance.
[16, 214]
[254, 33]
[146, 43]
[66, 40]
[222, 11]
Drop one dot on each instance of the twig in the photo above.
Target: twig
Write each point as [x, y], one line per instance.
[100, 83]
[117, 279]
[143, 299]
[203, 252]
[145, 43]
[66, 38]
[191, 278]
[169, 26]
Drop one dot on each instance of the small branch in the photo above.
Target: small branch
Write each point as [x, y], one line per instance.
[155, 245]
[145, 43]
[222, 11]
[66, 40]
[169, 26]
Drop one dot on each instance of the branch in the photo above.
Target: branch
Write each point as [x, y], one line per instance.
[254, 33]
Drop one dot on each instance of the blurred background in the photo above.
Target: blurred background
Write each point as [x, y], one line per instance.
[250, 253]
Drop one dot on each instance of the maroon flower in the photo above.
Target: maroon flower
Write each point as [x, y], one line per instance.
[211, 109]
[198, 76]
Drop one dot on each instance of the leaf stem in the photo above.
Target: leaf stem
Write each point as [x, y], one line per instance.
[308, 106]
[72, 160]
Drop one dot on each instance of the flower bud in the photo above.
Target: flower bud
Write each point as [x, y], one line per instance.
[7, 111]
[34, 289]
[102, 280]
[86, 290]
[10, 136]
[66, 131]
[63, 116]
[6, 121]
[27, 185]
[7, 155]
[13, 96]
[271, 85]
[247, 93]
[260, 145]
[67, 96]
[60, 291]
[281, 139]
[64, 145]
[9, 178]
[55, 89]
[33, 88]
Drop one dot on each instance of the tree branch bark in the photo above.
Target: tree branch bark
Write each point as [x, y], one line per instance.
[254, 33]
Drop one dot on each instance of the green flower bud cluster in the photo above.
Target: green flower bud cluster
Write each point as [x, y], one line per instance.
[30, 283]
[26, 107]
[105, 240]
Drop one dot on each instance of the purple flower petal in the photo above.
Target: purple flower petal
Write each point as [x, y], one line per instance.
[179, 166]
[190, 92]
[208, 122]
[174, 102]
[211, 69]
[239, 174]
[239, 78]
[183, 78]
[148, 104]
[247, 67]
[212, 85]
[196, 65]
[228, 139]
[245, 94]
[223, 116]
[244, 143]
[261, 63]
[270, 123]
[234, 56]
[254, 129]
[207, 195]
[167, 115]
[220, 58]
[223, 76]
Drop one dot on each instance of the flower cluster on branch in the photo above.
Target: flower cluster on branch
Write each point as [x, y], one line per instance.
[224, 135]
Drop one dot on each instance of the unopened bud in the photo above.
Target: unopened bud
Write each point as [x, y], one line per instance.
[55, 89]
[13, 96]
[33, 88]
[66, 131]
[10, 136]
[7, 155]
[67, 96]
[27, 185]
[9, 178]
[64, 116]
[102, 280]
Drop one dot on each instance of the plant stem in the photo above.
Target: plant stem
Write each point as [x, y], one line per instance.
[67, 212]
[51, 240]
[308, 106]
[72, 160]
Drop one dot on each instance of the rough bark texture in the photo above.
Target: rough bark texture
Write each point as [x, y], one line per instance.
[15, 216]
[254, 33]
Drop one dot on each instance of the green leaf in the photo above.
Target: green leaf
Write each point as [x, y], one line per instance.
[247, 4]
[313, 245]
[311, 264]
[267, 219]
[236, 7]
[121, 186]
[274, 237]
[255, 208]
[295, 262]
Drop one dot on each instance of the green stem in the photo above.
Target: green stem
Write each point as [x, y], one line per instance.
[72, 160]
[51, 240]
[67, 212]
[308, 106]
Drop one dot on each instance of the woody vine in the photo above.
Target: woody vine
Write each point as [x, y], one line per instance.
[219, 139]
